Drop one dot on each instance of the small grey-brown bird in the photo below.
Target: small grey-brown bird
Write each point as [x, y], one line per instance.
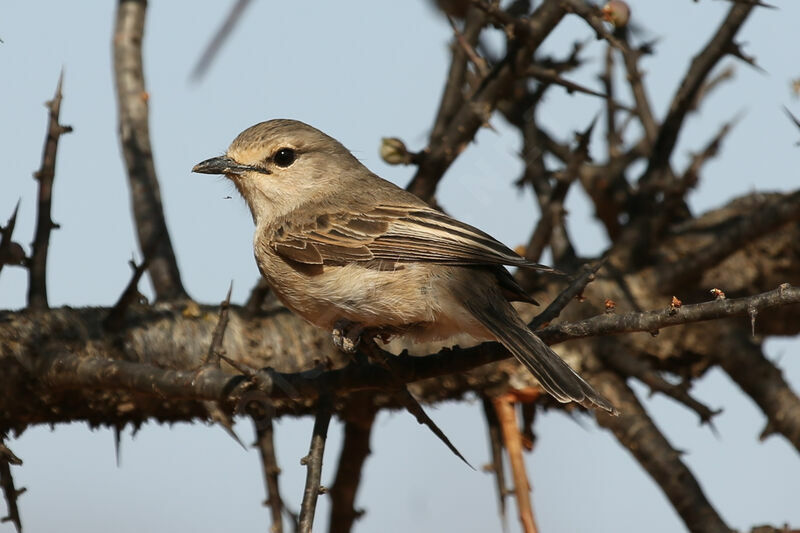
[351, 252]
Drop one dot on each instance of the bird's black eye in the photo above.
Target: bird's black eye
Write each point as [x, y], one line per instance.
[284, 157]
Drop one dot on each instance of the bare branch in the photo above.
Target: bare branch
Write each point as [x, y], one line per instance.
[265, 441]
[215, 348]
[695, 77]
[37, 266]
[134, 136]
[748, 228]
[742, 359]
[11, 253]
[70, 370]
[496, 448]
[444, 148]
[214, 46]
[634, 429]
[359, 417]
[116, 315]
[313, 462]
[10, 492]
[504, 406]
[572, 291]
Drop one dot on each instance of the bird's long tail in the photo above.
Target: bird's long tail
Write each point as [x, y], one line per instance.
[555, 376]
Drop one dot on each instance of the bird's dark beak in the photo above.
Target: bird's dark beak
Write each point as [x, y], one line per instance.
[220, 165]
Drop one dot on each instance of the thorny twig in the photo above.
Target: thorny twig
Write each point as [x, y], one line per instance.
[116, 315]
[265, 441]
[215, 348]
[10, 492]
[313, 462]
[37, 266]
[11, 253]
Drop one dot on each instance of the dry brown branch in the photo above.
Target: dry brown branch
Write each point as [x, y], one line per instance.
[634, 429]
[764, 383]
[461, 128]
[10, 492]
[313, 462]
[265, 442]
[11, 253]
[37, 266]
[215, 348]
[359, 417]
[134, 134]
[496, 449]
[83, 369]
[758, 222]
[116, 315]
[702, 64]
[504, 406]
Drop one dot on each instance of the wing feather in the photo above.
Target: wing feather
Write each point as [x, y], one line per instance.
[396, 233]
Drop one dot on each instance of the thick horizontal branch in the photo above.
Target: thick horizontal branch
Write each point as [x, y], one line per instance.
[69, 371]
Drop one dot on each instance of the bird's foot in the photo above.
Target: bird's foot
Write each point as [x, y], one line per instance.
[346, 335]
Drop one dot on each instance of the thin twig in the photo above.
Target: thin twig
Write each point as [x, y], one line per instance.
[313, 462]
[573, 290]
[629, 364]
[37, 266]
[214, 46]
[11, 253]
[549, 75]
[10, 492]
[215, 348]
[265, 441]
[116, 315]
[690, 85]
[496, 447]
[465, 122]
[504, 406]
[691, 175]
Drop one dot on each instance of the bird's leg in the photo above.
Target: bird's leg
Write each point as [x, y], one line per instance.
[346, 335]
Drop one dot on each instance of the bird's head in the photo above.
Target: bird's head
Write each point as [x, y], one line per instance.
[281, 164]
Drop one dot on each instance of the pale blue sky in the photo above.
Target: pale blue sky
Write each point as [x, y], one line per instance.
[359, 71]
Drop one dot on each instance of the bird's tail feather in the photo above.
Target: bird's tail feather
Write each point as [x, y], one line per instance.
[555, 376]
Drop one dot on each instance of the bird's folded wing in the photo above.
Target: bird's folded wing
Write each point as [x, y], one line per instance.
[393, 233]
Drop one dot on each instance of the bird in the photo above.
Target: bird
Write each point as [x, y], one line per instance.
[356, 255]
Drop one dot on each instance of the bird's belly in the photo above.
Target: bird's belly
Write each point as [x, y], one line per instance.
[372, 297]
